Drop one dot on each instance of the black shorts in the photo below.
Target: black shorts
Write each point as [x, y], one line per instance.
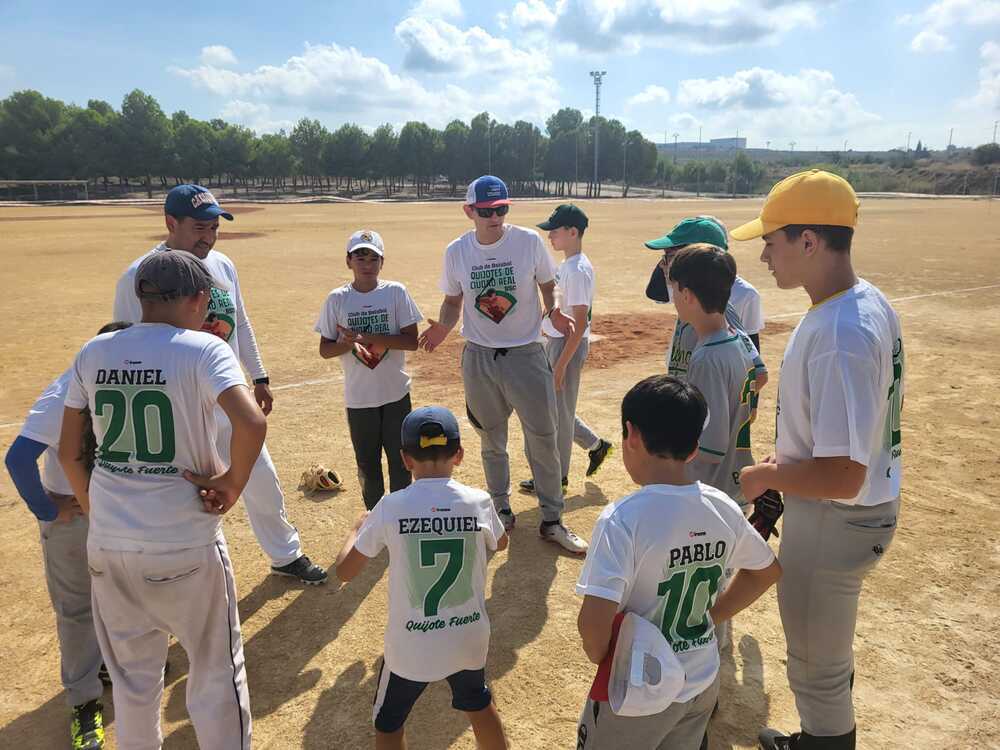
[395, 696]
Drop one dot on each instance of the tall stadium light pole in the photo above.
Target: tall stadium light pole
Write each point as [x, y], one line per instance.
[995, 123]
[792, 144]
[908, 141]
[598, 76]
[489, 145]
[951, 133]
[675, 147]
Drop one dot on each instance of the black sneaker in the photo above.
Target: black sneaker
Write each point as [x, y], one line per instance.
[304, 569]
[507, 518]
[597, 456]
[87, 727]
[528, 486]
[772, 739]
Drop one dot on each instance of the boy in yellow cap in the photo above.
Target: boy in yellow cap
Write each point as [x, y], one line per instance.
[837, 452]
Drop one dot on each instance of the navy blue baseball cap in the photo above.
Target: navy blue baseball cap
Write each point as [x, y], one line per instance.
[194, 201]
[486, 192]
[427, 426]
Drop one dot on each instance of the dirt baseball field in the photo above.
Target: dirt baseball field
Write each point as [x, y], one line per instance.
[928, 637]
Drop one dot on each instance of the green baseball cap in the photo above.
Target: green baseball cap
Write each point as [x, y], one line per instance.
[690, 231]
[566, 215]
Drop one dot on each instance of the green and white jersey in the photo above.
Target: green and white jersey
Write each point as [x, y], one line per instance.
[685, 338]
[152, 390]
[722, 368]
[437, 532]
[841, 390]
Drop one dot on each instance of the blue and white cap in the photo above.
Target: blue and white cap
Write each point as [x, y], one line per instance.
[486, 192]
[194, 201]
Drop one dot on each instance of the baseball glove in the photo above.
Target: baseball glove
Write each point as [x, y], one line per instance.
[767, 509]
[318, 478]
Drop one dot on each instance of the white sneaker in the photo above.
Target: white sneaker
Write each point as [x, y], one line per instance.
[559, 534]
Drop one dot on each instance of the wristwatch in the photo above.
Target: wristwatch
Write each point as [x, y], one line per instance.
[262, 381]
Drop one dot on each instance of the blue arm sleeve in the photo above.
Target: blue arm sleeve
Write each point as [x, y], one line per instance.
[22, 464]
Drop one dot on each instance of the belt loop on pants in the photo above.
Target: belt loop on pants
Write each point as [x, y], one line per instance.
[499, 353]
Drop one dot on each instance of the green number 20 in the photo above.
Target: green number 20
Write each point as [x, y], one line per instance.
[681, 590]
[114, 448]
[429, 551]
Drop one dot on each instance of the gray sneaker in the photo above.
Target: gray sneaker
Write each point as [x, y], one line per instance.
[507, 518]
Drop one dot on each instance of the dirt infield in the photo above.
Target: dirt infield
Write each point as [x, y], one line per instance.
[928, 637]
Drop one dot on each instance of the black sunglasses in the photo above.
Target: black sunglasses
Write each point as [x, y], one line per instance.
[486, 213]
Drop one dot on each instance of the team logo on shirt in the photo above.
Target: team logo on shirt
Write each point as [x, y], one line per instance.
[221, 318]
[368, 320]
[495, 285]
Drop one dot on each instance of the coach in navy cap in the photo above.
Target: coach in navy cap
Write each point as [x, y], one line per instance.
[194, 201]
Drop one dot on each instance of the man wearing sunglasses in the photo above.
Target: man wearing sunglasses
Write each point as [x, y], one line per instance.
[493, 276]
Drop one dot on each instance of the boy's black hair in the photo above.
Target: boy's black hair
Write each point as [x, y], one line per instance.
[708, 271]
[837, 239]
[433, 452]
[668, 413]
[115, 325]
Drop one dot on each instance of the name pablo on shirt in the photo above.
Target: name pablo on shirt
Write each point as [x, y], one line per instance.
[699, 552]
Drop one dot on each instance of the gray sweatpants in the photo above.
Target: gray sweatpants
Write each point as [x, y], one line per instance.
[826, 551]
[681, 726]
[569, 428]
[140, 599]
[501, 381]
[64, 550]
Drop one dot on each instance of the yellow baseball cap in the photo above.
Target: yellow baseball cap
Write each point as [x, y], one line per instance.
[813, 197]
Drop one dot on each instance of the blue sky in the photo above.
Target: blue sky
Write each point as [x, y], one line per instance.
[818, 72]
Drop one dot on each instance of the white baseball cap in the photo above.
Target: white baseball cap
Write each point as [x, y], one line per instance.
[366, 238]
[646, 676]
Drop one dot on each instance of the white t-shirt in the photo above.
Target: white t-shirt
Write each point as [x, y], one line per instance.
[661, 552]
[44, 425]
[841, 389]
[574, 286]
[438, 532]
[152, 390]
[746, 299]
[376, 376]
[499, 285]
[227, 316]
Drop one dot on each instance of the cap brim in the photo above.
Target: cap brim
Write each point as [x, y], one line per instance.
[364, 245]
[210, 212]
[492, 204]
[663, 243]
[548, 226]
[749, 231]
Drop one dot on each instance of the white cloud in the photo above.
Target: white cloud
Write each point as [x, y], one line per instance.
[988, 95]
[438, 9]
[218, 55]
[436, 46]
[344, 84]
[533, 13]
[697, 25]
[253, 115]
[930, 40]
[766, 105]
[944, 15]
[652, 94]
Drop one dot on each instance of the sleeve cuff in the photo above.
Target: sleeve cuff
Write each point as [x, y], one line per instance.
[600, 592]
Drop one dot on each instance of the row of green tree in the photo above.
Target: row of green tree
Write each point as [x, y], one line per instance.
[46, 139]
